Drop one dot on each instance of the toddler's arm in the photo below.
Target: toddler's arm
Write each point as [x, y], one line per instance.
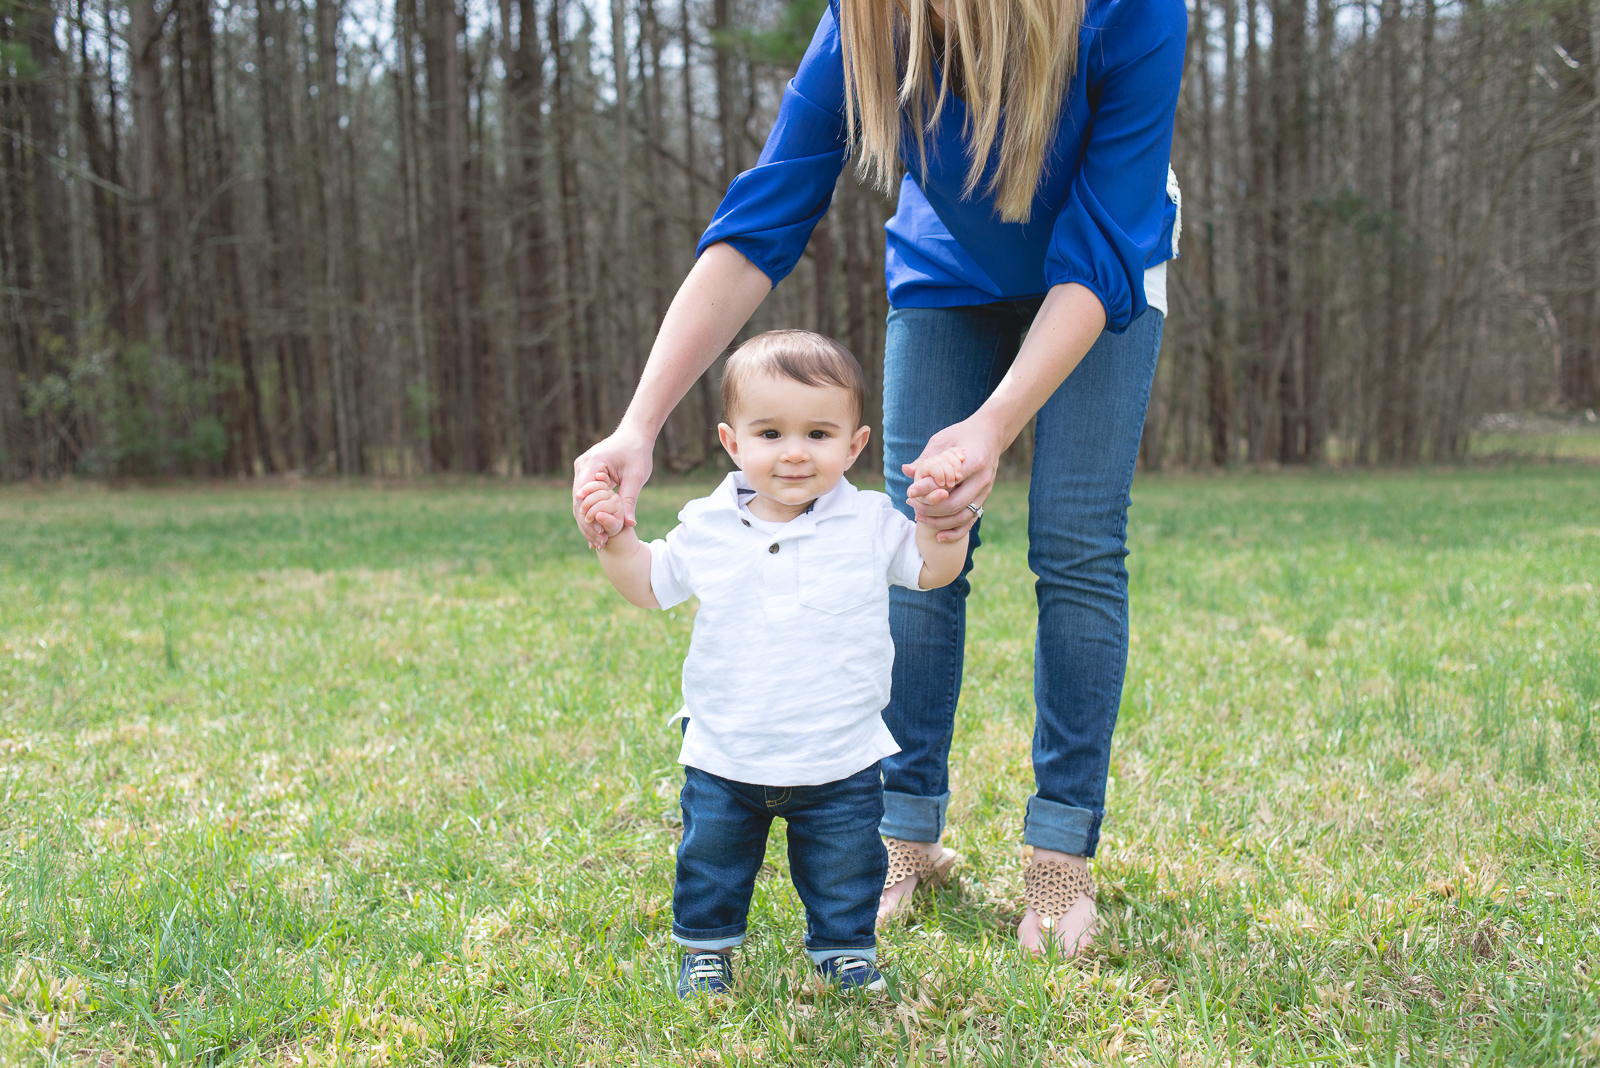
[624, 557]
[941, 560]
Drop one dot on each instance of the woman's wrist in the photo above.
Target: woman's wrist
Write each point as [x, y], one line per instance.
[1069, 321]
[990, 425]
[641, 427]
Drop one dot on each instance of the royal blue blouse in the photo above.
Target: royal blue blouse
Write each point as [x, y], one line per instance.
[1104, 211]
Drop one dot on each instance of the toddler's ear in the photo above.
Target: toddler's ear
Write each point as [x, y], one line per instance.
[730, 442]
[858, 441]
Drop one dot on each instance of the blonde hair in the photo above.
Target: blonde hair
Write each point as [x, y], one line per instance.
[799, 355]
[1012, 54]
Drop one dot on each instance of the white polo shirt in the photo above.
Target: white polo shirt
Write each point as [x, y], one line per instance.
[788, 666]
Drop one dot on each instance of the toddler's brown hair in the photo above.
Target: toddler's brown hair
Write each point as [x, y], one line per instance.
[799, 355]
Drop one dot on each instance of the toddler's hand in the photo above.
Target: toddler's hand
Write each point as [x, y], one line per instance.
[599, 504]
[944, 468]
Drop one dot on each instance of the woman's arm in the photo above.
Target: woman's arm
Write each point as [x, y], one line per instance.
[1069, 321]
[717, 298]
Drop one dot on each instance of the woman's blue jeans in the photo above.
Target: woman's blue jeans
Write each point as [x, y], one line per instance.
[939, 366]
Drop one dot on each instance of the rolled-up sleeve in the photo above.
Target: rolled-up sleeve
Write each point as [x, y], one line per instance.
[1115, 212]
[897, 541]
[669, 577]
[769, 211]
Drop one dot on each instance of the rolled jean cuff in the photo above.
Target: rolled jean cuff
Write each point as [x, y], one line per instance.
[868, 954]
[707, 944]
[912, 818]
[1064, 828]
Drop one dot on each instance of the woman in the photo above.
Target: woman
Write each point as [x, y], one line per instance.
[1026, 247]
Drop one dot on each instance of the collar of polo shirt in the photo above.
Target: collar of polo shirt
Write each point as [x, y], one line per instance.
[841, 500]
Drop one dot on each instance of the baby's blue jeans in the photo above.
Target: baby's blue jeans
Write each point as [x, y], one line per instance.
[836, 859]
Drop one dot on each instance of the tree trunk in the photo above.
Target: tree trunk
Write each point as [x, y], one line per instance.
[544, 435]
[822, 258]
[624, 260]
[661, 259]
[230, 292]
[1213, 340]
[420, 397]
[53, 284]
[103, 163]
[729, 111]
[1291, 113]
[1256, 337]
[286, 279]
[580, 341]
[1391, 435]
[149, 116]
[691, 176]
[347, 434]
[1419, 268]
[446, 102]
[1313, 157]
[1578, 266]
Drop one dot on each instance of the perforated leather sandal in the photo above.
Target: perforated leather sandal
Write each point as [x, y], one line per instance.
[906, 860]
[1052, 887]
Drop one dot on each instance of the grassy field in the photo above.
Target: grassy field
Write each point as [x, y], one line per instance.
[314, 775]
[1509, 438]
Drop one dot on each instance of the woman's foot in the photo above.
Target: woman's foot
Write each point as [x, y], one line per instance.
[1071, 930]
[896, 900]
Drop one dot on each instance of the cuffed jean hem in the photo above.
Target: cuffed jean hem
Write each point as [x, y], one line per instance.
[913, 818]
[1064, 828]
[868, 954]
[708, 943]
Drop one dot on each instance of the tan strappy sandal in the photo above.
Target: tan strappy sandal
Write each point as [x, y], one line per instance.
[1052, 887]
[906, 860]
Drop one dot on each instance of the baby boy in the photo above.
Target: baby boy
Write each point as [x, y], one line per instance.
[789, 663]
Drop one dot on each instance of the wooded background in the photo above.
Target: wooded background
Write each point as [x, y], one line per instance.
[364, 237]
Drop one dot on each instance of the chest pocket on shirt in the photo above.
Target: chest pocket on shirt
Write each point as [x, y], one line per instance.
[839, 574]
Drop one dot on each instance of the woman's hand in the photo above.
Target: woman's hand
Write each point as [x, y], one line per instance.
[623, 460]
[979, 441]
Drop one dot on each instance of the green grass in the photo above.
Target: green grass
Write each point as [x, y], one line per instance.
[316, 775]
[1581, 447]
[1537, 437]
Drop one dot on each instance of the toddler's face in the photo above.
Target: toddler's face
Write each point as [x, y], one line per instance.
[793, 442]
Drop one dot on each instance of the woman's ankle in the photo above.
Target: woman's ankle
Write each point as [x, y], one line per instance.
[1045, 855]
[931, 849]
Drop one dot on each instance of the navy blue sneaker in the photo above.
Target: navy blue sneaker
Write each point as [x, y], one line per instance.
[851, 973]
[705, 973]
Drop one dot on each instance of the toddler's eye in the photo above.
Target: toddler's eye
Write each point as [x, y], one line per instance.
[771, 435]
[818, 435]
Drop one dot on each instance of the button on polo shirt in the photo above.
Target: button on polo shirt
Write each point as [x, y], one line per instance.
[789, 663]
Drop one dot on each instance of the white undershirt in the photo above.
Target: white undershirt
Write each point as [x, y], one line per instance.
[1155, 287]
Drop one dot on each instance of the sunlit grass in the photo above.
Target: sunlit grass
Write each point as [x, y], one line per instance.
[368, 776]
[1582, 446]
